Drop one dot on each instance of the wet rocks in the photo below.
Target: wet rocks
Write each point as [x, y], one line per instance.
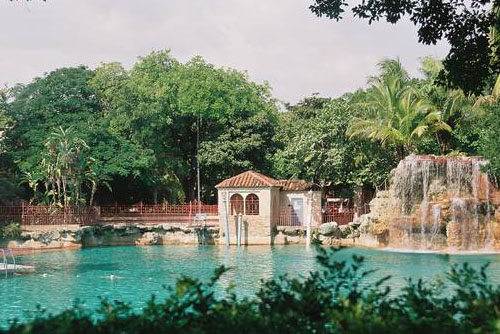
[45, 239]
[333, 231]
[328, 228]
[112, 235]
[148, 239]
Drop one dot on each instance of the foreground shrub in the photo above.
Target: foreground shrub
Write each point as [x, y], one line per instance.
[337, 299]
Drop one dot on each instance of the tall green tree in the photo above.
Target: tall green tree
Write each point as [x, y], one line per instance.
[188, 114]
[141, 105]
[314, 146]
[489, 145]
[4, 119]
[488, 128]
[232, 119]
[9, 190]
[64, 98]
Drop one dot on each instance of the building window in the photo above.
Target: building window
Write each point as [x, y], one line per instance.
[252, 205]
[236, 204]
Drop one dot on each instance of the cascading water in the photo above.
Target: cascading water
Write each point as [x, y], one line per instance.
[463, 214]
[444, 203]
[489, 240]
[436, 225]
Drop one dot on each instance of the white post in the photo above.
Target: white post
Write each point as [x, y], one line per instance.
[309, 219]
[240, 218]
[226, 216]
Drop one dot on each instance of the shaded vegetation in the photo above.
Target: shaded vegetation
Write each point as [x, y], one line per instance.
[10, 231]
[140, 128]
[110, 135]
[314, 146]
[490, 143]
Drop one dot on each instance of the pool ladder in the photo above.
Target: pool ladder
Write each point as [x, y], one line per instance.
[5, 255]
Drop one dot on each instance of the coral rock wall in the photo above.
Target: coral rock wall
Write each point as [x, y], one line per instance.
[437, 203]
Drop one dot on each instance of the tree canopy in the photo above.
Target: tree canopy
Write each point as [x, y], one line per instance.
[395, 112]
[64, 98]
[112, 134]
[164, 105]
[140, 127]
[470, 27]
[315, 146]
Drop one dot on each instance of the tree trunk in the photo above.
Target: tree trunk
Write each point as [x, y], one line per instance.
[92, 193]
[401, 152]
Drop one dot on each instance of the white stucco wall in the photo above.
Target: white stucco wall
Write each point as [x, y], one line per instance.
[264, 194]
[256, 228]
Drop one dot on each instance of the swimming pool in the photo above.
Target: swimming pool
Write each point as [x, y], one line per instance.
[133, 274]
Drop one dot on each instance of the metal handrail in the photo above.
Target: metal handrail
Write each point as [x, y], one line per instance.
[5, 253]
[12, 256]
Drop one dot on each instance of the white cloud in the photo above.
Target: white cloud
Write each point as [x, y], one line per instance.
[280, 41]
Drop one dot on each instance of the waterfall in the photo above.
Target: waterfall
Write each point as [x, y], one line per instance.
[458, 176]
[434, 192]
[436, 224]
[461, 215]
[424, 206]
[476, 188]
[489, 233]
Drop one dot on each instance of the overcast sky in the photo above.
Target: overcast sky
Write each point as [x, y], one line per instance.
[279, 41]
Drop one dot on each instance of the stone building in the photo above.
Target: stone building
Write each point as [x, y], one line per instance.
[265, 203]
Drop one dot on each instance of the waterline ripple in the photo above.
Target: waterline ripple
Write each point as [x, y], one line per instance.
[133, 274]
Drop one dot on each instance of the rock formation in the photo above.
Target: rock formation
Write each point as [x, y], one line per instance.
[436, 203]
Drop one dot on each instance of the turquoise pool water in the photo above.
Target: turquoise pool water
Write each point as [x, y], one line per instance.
[64, 276]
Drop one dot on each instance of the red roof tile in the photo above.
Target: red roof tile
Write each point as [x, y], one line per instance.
[297, 185]
[249, 179]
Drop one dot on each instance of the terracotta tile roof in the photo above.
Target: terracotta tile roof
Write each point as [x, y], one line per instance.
[297, 185]
[249, 179]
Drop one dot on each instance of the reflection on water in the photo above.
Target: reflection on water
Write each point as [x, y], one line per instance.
[133, 274]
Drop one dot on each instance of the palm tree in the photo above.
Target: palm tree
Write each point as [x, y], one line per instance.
[453, 104]
[390, 69]
[395, 113]
[492, 98]
[64, 167]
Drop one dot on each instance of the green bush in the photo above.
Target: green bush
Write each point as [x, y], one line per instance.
[336, 299]
[10, 231]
